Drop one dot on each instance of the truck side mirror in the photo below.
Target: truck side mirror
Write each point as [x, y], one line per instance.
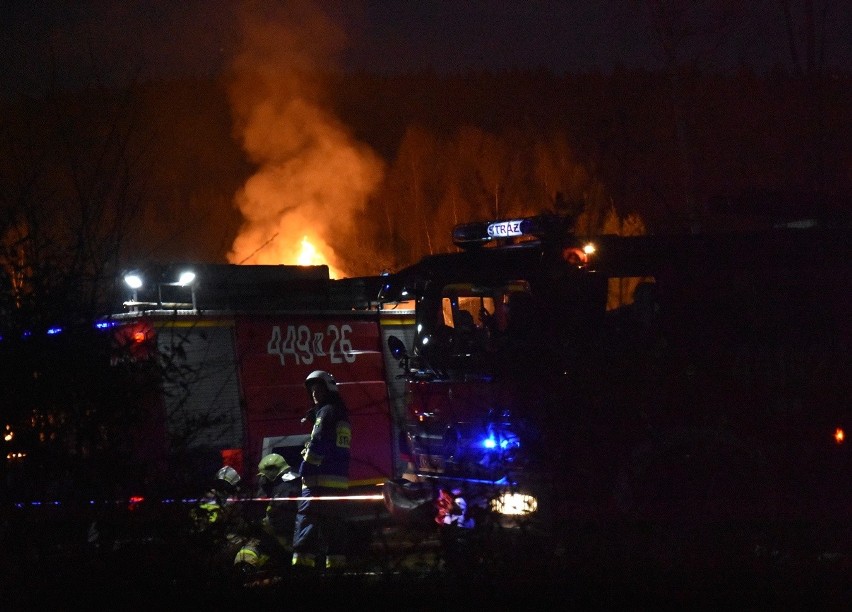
[397, 348]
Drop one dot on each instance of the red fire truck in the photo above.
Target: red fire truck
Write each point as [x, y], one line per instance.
[704, 375]
[234, 348]
[537, 373]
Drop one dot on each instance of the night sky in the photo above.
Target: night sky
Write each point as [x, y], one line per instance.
[164, 38]
[311, 169]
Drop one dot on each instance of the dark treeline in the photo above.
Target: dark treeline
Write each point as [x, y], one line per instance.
[663, 154]
[637, 147]
[680, 153]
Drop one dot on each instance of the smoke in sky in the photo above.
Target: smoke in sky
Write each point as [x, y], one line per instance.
[313, 177]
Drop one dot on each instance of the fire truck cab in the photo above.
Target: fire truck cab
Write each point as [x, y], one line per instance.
[656, 376]
[497, 326]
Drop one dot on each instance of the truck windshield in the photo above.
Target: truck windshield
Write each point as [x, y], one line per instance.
[467, 327]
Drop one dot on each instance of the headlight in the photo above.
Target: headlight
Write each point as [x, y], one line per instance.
[514, 504]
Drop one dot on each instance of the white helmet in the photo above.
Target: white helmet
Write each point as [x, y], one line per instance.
[325, 378]
[229, 475]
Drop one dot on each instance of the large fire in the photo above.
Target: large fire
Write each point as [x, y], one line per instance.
[309, 255]
[312, 174]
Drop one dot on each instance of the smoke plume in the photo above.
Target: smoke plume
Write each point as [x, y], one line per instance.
[313, 178]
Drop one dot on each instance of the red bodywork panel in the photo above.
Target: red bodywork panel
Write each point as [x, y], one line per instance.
[276, 353]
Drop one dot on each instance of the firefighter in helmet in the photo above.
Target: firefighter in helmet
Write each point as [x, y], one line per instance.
[216, 510]
[273, 528]
[217, 518]
[324, 469]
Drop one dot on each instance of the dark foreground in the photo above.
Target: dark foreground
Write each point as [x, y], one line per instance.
[654, 569]
[598, 590]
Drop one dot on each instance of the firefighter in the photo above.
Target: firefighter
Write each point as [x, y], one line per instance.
[217, 519]
[216, 510]
[271, 540]
[324, 469]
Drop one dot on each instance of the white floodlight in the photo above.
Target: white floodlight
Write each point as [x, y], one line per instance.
[186, 278]
[133, 280]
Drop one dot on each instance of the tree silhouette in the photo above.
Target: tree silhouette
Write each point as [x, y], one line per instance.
[70, 194]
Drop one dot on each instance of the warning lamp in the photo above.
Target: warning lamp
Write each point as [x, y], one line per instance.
[506, 229]
[136, 341]
[839, 435]
[574, 256]
[578, 256]
[468, 235]
[134, 502]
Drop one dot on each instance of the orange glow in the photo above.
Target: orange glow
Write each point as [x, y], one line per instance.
[575, 256]
[312, 177]
[139, 336]
[839, 435]
[308, 256]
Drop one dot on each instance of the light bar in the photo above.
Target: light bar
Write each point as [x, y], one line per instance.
[505, 229]
[467, 235]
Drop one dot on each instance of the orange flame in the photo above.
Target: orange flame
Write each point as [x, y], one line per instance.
[311, 174]
[309, 255]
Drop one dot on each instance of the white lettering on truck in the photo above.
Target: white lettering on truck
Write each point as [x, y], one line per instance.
[298, 343]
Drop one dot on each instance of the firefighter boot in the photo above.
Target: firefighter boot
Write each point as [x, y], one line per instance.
[335, 564]
[304, 562]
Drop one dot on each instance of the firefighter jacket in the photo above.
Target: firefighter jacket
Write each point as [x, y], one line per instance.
[326, 453]
[218, 514]
[279, 514]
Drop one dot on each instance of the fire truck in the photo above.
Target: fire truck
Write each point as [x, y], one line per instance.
[556, 377]
[536, 375]
[234, 346]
